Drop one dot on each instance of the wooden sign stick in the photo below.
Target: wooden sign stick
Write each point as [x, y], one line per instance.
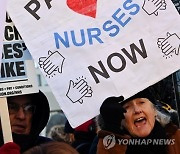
[5, 122]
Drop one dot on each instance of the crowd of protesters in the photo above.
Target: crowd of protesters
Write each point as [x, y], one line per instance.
[138, 117]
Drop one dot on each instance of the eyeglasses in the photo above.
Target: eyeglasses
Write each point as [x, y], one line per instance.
[27, 108]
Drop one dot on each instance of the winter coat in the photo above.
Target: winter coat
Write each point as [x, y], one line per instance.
[39, 121]
[111, 146]
[173, 132]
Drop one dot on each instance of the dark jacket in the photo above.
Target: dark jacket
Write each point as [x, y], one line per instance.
[172, 132]
[39, 121]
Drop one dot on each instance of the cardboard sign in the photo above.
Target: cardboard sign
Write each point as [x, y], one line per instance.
[17, 75]
[91, 50]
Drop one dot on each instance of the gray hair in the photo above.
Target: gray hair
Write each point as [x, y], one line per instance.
[57, 133]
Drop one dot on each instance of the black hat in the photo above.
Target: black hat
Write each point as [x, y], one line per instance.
[146, 93]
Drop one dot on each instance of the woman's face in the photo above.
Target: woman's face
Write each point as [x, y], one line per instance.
[140, 117]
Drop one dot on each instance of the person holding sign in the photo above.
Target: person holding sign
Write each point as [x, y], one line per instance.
[136, 126]
[29, 115]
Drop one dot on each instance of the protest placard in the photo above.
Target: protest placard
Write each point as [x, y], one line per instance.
[95, 49]
[18, 75]
[3, 109]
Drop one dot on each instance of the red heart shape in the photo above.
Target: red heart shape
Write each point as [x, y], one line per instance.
[84, 7]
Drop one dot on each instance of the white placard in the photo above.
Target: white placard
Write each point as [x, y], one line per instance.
[92, 50]
[17, 75]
